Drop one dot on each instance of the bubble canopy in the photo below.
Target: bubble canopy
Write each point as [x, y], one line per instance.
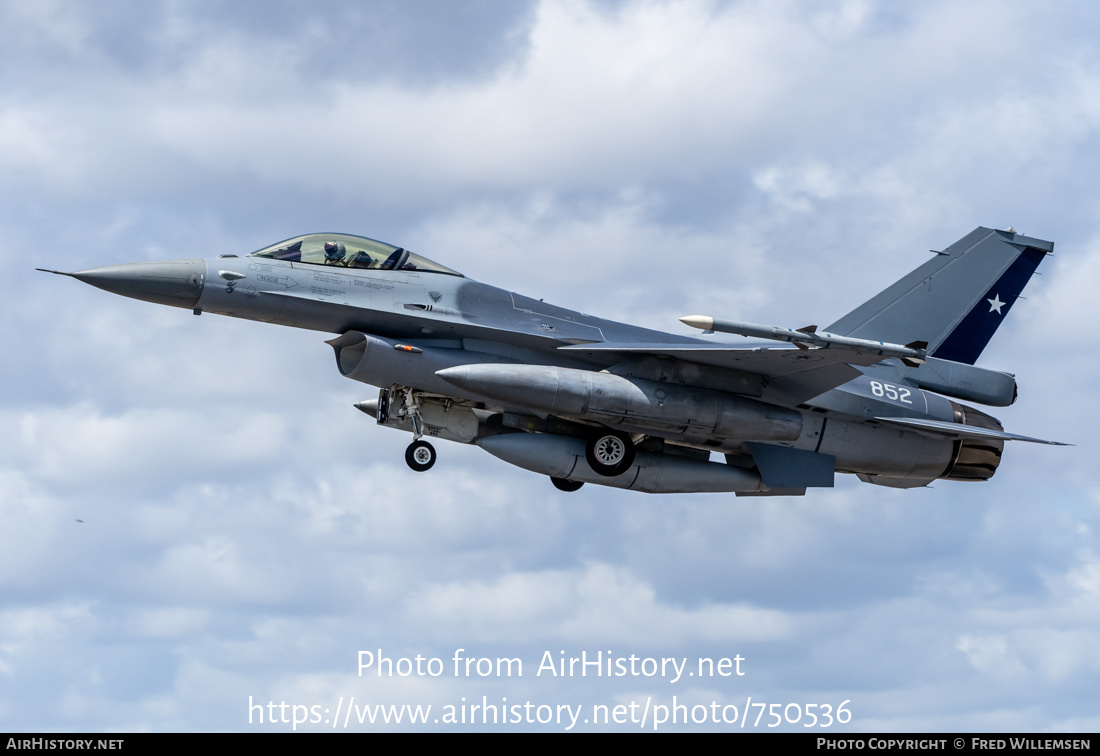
[347, 251]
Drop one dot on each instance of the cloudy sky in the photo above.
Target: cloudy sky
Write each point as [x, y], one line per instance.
[193, 514]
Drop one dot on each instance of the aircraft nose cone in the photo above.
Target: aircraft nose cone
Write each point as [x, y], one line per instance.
[172, 282]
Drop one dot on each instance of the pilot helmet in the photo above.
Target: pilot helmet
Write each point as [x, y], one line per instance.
[334, 251]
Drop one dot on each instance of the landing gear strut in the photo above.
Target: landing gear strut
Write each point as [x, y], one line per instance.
[420, 456]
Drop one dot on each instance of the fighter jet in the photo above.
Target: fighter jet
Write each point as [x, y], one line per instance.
[586, 400]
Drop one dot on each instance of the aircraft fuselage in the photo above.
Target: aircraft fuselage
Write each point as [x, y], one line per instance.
[529, 381]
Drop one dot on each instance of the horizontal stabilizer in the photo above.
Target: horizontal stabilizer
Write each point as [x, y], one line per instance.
[958, 430]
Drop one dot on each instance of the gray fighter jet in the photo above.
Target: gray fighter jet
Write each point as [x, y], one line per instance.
[585, 400]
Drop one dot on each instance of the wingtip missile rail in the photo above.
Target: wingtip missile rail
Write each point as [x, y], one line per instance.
[912, 354]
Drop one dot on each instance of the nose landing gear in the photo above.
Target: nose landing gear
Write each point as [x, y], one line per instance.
[420, 456]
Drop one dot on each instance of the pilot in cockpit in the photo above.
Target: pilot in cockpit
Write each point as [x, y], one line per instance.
[334, 253]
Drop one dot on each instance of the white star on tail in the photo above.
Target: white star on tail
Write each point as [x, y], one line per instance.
[996, 304]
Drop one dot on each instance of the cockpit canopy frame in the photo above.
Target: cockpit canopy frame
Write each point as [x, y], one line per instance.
[349, 251]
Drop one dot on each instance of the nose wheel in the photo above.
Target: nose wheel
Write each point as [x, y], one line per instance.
[420, 456]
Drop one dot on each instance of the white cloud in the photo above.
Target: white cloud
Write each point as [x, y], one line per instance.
[599, 604]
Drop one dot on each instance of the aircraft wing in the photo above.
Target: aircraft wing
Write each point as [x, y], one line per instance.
[795, 374]
[958, 430]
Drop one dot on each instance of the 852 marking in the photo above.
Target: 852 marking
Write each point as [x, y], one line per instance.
[892, 392]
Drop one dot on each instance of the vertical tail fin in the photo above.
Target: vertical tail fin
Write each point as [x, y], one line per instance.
[955, 301]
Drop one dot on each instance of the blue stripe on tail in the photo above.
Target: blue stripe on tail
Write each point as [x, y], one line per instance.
[966, 342]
